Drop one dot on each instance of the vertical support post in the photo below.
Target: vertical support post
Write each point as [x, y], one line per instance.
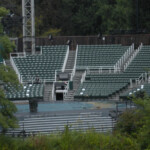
[55, 75]
[33, 26]
[145, 76]
[28, 25]
[131, 86]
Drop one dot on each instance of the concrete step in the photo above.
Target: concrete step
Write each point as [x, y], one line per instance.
[71, 59]
[76, 83]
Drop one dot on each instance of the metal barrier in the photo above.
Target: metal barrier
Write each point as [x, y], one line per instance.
[124, 58]
[83, 76]
[14, 65]
[143, 77]
[74, 68]
[66, 58]
[100, 69]
[133, 54]
[53, 90]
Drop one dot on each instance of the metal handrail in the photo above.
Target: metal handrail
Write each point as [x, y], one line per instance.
[133, 54]
[53, 89]
[66, 58]
[83, 76]
[74, 68]
[15, 68]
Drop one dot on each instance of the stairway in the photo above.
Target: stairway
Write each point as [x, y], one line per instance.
[70, 62]
[48, 92]
[56, 123]
[76, 83]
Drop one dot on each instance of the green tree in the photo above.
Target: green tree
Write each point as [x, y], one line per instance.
[3, 13]
[7, 108]
[144, 109]
[6, 46]
[7, 76]
[136, 122]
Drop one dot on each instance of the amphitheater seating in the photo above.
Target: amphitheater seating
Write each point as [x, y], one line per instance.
[27, 91]
[141, 63]
[98, 55]
[145, 88]
[55, 123]
[42, 66]
[98, 89]
[105, 85]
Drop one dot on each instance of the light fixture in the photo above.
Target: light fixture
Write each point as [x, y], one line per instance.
[103, 38]
[69, 42]
[142, 86]
[138, 89]
[130, 93]
[50, 37]
[83, 89]
[81, 93]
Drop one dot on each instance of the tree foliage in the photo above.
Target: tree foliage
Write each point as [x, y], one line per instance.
[68, 140]
[136, 122]
[3, 13]
[6, 46]
[7, 108]
[7, 76]
[80, 17]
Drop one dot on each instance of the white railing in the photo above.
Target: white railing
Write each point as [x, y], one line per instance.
[75, 62]
[131, 83]
[66, 58]
[33, 79]
[100, 69]
[124, 58]
[148, 78]
[41, 50]
[53, 90]
[140, 79]
[143, 77]
[132, 56]
[66, 90]
[15, 68]
[83, 76]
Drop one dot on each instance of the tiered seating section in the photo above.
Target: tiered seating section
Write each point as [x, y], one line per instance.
[145, 88]
[56, 123]
[105, 85]
[42, 66]
[141, 63]
[28, 91]
[99, 55]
